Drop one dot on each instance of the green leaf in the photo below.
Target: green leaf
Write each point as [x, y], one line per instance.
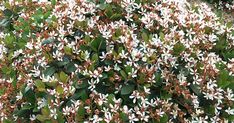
[63, 77]
[164, 119]
[4, 22]
[45, 111]
[102, 6]
[80, 113]
[8, 13]
[108, 11]
[87, 38]
[9, 40]
[40, 85]
[162, 36]
[30, 96]
[6, 70]
[145, 36]
[158, 79]
[60, 117]
[223, 81]
[116, 16]
[123, 117]
[62, 63]
[41, 118]
[228, 55]
[70, 67]
[49, 71]
[59, 89]
[127, 89]
[231, 118]
[123, 74]
[209, 109]
[2, 91]
[98, 44]
[53, 2]
[7, 121]
[195, 89]
[178, 48]
[21, 113]
[165, 95]
[68, 50]
[128, 68]
[142, 77]
[47, 41]
[95, 57]
[27, 107]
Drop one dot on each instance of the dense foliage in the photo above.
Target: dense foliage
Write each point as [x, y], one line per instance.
[115, 61]
[222, 4]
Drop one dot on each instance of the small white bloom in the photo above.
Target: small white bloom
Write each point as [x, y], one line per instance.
[53, 113]
[230, 111]
[66, 110]
[19, 96]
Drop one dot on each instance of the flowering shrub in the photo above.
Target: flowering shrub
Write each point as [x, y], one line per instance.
[223, 4]
[115, 61]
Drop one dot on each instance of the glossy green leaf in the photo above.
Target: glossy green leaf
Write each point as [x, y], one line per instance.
[68, 50]
[123, 74]
[49, 71]
[127, 89]
[40, 85]
[164, 119]
[63, 77]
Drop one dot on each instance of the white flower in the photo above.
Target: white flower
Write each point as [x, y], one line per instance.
[133, 73]
[108, 117]
[95, 74]
[86, 55]
[76, 104]
[174, 113]
[129, 17]
[108, 68]
[1, 106]
[160, 112]
[96, 119]
[66, 110]
[230, 94]
[3, 50]
[19, 96]
[29, 45]
[114, 108]
[41, 103]
[213, 37]
[106, 33]
[103, 57]
[32, 117]
[146, 19]
[17, 53]
[57, 54]
[36, 71]
[144, 116]
[147, 91]
[116, 67]
[92, 84]
[123, 54]
[53, 113]
[135, 95]
[230, 111]
[132, 118]
[108, 1]
[182, 78]
[209, 95]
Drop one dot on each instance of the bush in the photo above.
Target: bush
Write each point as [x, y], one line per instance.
[115, 61]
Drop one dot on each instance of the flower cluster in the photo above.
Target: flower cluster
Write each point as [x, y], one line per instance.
[115, 61]
[229, 5]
